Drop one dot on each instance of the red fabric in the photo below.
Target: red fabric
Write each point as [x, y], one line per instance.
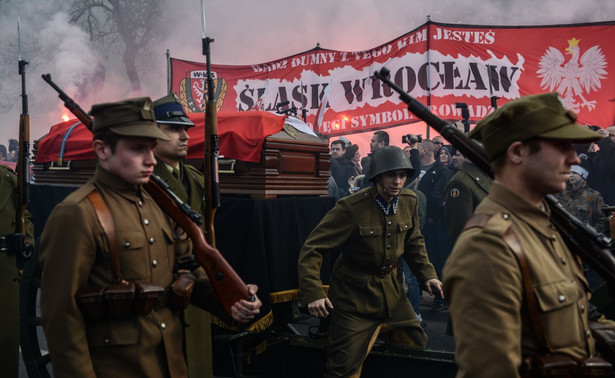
[241, 137]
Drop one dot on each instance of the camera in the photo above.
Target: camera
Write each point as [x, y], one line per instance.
[411, 139]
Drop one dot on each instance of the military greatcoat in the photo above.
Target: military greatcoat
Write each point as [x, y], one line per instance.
[74, 253]
[466, 189]
[9, 276]
[483, 284]
[369, 239]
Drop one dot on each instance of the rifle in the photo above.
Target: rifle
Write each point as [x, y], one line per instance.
[226, 283]
[494, 99]
[23, 250]
[583, 240]
[210, 168]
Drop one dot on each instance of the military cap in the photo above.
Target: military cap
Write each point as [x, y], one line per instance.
[132, 118]
[542, 116]
[389, 158]
[580, 171]
[168, 110]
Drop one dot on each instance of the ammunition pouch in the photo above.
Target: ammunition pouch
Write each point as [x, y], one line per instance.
[561, 366]
[118, 300]
[605, 339]
[181, 291]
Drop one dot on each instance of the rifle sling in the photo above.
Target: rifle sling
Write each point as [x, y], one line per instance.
[511, 238]
[106, 221]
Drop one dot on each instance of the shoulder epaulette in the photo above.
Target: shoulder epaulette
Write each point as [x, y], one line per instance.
[494, 224]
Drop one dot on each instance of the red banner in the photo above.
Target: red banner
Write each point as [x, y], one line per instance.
[441, 65]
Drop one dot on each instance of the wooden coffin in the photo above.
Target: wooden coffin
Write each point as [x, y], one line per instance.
[292, 163]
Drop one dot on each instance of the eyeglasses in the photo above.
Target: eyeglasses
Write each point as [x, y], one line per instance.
[438, 143]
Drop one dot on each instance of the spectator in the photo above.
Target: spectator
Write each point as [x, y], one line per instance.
[602, 166]
[438, 141]
[432, 183]
[13, 150]
[353, 155]
[3, 153]
[379, 140]
[344, 169]
[586, 204]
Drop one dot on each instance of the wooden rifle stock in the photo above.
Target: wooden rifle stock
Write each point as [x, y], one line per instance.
[212, 186]
[582, 240]
[212, 150]
[22, 169]
[227, 284]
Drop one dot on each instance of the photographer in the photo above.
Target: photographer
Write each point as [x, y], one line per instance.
[413, 141]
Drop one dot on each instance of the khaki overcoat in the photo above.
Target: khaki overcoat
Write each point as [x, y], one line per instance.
[9, 276]
[74, 253]
[483, 284]
[368, 238]
[466, 189]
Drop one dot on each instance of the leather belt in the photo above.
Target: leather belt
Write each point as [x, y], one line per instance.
[164, 300]
[379, 271]
[10, 244]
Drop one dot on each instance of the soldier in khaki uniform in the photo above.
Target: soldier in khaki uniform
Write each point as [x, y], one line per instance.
[374, 228]
[463, 193]
[529, 143]
[75, 253]
[188, 184]
[9, 275]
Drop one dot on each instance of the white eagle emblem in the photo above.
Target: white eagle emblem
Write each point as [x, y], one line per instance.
[581, 74]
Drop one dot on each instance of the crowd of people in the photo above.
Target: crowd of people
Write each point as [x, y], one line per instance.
[9, 154]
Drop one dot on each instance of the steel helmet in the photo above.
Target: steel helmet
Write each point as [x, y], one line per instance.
[389, 158]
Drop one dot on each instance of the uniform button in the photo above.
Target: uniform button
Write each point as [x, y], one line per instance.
[561, 298]
[140, 203]
[582, 309]
[389, 246]
[505, 216]
[106, 341]
[151, 240]
[405, 226]
[564, 260]
[154, 263]
[553, 238]
[389, 223]
[146, 221]
[163, 326]
[126, 244]
[371, 232]
[389, 235]
[588, 334]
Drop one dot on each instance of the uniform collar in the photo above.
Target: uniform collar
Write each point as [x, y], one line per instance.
[117, 184]
[537, 218]
[388, 208]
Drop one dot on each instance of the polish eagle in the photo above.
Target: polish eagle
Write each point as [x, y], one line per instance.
[581, 74]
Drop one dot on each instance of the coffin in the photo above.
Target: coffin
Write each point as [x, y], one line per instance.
[263, 155]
